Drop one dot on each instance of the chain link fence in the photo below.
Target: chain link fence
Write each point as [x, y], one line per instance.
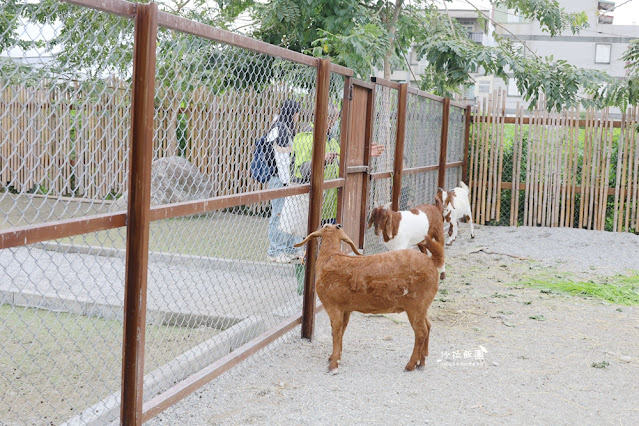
[384, 133]
[455, 147]
[422, 147]
[216, 280]
[64, 140]
[229, 275]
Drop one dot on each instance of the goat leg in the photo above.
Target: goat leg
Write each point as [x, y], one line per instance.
[337, 326]
[418, 323]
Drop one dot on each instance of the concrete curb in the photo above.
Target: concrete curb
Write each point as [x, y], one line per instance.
[173, 258]
[80, 306]
[108, 410]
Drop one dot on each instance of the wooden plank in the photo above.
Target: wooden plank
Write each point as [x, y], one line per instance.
[424, 169]
[186, 387]
[317, 177]
[490, 166]
[368, 136]
[137, 243]
[385, 83]
[484, 168]
[522, 186]
[584, 167]
[116, 7]
[443, 147]
[575, 168]
[31, 234]
[500, 170]
[580, 123]
[606, 176]
[467, 117]
[477, 147]
[634, 141]
[188, 26]
[617, 218]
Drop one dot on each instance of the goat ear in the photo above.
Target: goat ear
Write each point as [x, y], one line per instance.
[312, 235]
[450, 198]
[350, 242]
[389, 224]
[372, 218]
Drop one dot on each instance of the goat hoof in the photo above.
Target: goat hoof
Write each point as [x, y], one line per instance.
[333, 369]
[420, 366]
[472, 236]
[409, 367]
[442, 276]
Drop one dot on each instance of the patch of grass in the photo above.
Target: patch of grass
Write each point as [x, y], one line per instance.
[55, 364]
[618, 289]
[602, 364]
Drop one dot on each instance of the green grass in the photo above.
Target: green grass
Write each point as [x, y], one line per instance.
[54, 364]
[618, 289]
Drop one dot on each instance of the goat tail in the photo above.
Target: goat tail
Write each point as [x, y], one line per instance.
[436, 249]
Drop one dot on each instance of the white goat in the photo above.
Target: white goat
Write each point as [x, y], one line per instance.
[456, 208]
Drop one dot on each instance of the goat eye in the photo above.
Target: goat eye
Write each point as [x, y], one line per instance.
[339, 226]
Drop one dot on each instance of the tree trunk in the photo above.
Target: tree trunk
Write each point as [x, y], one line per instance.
[392, 29]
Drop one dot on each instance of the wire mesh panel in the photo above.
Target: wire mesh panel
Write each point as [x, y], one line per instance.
[332, 154]
[384, 133]
[65, 86]
[422, 144]
[224, 277]
[455, 147]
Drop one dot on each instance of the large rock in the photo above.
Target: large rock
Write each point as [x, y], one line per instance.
[173, 180]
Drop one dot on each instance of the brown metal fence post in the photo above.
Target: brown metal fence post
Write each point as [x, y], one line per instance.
[402, 106]
[317, 179]
[441, 179]
[466, 145]
[137, 241]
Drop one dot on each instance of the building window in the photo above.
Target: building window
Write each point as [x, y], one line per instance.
[602, 53]
[483, 87]
[512, 87]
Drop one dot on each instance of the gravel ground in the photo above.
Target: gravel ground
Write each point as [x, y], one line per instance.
[489, 362]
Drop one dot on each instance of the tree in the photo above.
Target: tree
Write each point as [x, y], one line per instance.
[379, 34]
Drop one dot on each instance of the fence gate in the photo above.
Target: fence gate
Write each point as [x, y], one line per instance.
[359, 130]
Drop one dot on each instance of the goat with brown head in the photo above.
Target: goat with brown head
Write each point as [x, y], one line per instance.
[395, 281]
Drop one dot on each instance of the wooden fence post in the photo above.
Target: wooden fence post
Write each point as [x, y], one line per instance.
[466, 145]
[317, 180]
[138, 214]
[402, 106]
[441, 178]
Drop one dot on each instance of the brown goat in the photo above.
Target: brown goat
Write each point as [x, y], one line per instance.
[389, 282]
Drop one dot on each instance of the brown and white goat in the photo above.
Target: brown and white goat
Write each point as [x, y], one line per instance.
[456, 208]
[405, 229]
[389, 282]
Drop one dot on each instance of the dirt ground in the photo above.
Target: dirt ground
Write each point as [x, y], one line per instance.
[500, 352]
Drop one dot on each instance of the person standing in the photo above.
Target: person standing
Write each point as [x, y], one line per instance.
[281, 135]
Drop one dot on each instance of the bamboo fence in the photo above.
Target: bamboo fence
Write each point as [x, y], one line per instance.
[575, 168]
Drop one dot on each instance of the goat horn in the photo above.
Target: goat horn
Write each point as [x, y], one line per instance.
[351, 243]
[310, 236]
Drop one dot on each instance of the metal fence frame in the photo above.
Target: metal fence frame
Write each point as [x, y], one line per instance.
[140, 213]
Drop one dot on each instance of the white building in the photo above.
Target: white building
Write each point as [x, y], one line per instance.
[600, 46]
